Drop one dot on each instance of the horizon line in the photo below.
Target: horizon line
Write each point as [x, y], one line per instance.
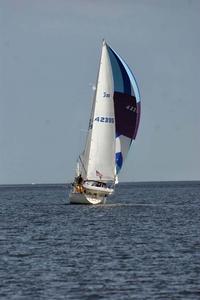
[122, 182]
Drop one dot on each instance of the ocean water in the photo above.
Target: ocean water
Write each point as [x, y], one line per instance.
[143, 244]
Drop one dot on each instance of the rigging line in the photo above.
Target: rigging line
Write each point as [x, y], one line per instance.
[82, 163]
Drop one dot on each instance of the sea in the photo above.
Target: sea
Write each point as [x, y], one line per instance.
[144, 243]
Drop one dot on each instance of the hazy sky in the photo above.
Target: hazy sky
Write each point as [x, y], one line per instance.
[49, 55]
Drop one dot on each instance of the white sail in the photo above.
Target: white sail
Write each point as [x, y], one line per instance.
[99, 154]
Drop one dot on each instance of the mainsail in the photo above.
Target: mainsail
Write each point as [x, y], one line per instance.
[99, 152]
[114, 119]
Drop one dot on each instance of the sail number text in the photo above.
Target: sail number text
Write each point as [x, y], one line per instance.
[104, 119]
[131, 108]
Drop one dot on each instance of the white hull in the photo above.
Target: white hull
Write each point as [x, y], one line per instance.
[93, 189]
[83, 198]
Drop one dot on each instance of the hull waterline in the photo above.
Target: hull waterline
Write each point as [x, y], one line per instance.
[83, 198]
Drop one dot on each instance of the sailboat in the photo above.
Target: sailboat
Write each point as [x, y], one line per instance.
[113, 126]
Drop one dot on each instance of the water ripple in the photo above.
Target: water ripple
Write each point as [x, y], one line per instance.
[143, 244]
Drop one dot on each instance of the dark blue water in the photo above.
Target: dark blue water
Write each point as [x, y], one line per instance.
[143, 244]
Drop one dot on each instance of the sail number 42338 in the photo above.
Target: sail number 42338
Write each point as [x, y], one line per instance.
[104, 119]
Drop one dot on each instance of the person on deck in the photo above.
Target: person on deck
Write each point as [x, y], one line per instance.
[79, 179]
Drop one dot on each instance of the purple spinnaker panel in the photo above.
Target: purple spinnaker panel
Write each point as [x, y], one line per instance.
[126, 119]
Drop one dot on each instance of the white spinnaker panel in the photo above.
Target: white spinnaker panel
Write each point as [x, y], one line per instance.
[123, 145]
[100, 147]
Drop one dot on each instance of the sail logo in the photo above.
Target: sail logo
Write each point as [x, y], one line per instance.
[106, 95]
